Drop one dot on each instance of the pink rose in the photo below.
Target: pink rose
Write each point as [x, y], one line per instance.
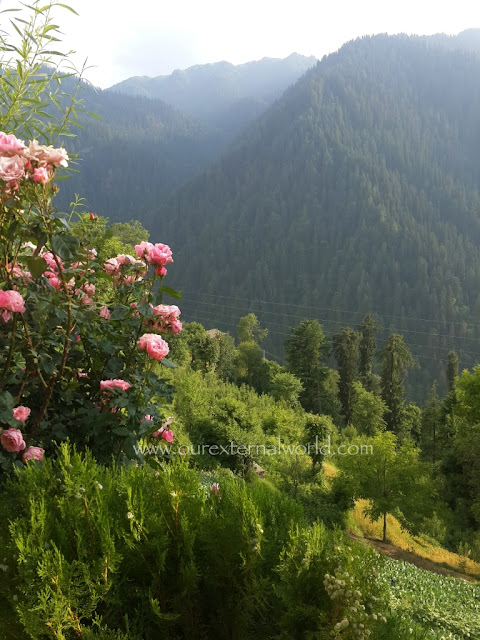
[32, 453]
[115, 384]
[58, 157]
[50, 260]
[148, 418]
[166, 310]
[104, 312]
[12, 301]
[12, 440]
[21, 413]
[112, 266]
[47, 155]
[155, 346]
[87, 289]
[54, 281]
[41, 175]
[159, 254]
[12, 168]
[161, 271]
[165, 434]
[166, 319]
[10, 144]
[176, 326]
[215, 488]
[5, 315]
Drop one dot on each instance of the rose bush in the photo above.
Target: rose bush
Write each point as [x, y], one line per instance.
[81, 341]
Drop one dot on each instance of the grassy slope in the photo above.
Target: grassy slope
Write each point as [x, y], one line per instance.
[402, 545]
[415, 549]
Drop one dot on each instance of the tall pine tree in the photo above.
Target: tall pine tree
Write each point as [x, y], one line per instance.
[367, 347]
[395, 359]
[345, 348]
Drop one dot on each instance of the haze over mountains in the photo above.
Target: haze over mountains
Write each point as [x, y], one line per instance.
[215, 93]
[355, 191]
[142, 135]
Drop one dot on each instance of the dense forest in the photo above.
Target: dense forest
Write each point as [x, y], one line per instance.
[356, 192]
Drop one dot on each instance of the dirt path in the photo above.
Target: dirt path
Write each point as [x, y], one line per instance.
[390, 550]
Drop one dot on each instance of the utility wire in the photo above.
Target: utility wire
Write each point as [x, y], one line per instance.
[342, 323]
[289, 304]
[230, 324]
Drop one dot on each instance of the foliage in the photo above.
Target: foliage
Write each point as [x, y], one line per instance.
[249, 329]
[307, 349]
[168, 552]
[393, 480]
[395, 359]
[79, 341]
[467, 387]
[366, 349]
[34, 73]
[252, 369]
[368, 411]
[433, 437]
[345, 348]
[285, 387]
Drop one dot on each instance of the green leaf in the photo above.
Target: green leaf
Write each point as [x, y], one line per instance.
[169, 364]
[6, 406]
[121, 431]
[172, 292]
[65, 246]
[36, 266]
[120, 312]
[145, 310]
[65, 6]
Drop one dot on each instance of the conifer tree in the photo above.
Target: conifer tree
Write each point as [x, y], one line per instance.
[367, 346]
[452, 369]
[345, 348]
[395, 359]
[306, 351]
[432, 426]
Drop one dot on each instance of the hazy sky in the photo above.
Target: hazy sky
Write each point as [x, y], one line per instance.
[154, 37]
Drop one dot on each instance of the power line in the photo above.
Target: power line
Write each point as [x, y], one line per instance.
[342, 323]
[230, 324]
[289, 304]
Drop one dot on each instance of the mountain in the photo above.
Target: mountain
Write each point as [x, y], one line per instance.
[141, 148]
[210, 92]
[133, 154]
[357, 191]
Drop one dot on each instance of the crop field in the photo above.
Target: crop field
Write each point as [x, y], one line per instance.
[446, 607]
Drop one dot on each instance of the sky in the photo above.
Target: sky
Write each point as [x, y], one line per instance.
[122, 38]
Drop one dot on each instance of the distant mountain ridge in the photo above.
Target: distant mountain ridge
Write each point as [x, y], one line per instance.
[207, 91]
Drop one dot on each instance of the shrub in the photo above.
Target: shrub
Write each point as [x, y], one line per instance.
[99, 550]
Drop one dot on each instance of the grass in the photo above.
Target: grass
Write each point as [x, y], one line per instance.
[362, 526]
[329, 470]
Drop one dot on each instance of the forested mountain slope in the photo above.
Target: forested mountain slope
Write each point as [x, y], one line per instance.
[134, 154]
[356, 191]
